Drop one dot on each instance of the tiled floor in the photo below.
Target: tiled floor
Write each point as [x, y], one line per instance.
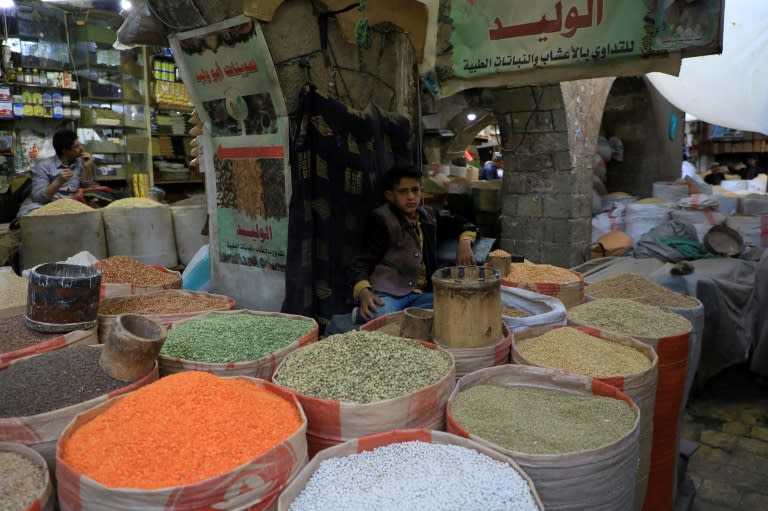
[729, 420]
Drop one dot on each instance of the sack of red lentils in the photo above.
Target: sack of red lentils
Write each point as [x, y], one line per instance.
[411, 469]
[191, 440]
[360, 383]
[235, 343]
[25, 480]
[125, 276]
[546, 279]
[40, 395]
[165, 307]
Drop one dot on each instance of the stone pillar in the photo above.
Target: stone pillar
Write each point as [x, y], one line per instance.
[549, 135]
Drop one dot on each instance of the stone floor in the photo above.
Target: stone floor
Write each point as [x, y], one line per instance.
[728, 418]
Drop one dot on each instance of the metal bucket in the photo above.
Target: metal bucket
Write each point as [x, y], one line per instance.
[467, 307]
[62, 297]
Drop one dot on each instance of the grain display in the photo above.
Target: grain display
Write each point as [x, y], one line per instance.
[362, 367]
[641, 289]
[629, 317]
[61, 207]
[541, 421]
[578, 352]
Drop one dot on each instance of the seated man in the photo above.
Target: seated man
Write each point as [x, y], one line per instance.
[399, 250]
[60, 176]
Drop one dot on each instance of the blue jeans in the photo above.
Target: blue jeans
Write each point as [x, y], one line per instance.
[398, 303]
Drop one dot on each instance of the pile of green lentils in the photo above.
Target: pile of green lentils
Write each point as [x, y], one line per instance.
[239, 337]
[362, 367]
[538, 420]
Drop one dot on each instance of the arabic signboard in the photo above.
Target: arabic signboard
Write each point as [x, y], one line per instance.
[228, 70]
[495, 42]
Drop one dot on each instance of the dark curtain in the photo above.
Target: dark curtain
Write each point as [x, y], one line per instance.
[338, 156]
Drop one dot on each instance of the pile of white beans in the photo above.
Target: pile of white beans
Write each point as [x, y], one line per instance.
[415, 476]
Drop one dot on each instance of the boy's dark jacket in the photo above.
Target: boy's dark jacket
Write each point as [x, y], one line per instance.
[390, 252]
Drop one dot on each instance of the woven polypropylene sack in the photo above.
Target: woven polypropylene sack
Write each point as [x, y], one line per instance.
[601, 479]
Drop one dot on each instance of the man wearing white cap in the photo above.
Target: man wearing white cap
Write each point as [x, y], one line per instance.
[494, 168]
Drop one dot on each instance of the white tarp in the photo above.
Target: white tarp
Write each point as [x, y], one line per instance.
[728, 89]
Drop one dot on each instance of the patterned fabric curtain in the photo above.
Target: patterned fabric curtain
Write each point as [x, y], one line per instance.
[338, 156]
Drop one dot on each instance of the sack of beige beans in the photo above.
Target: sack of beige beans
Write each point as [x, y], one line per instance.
[141, 229]
[59, 229]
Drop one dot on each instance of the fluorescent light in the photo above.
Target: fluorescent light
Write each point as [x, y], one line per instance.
[471, 116]
[126, 5]
[7, 4]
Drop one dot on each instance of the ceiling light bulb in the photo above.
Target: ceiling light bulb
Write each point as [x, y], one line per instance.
[126, 5]
[471, 117]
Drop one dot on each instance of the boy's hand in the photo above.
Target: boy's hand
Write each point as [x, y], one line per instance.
[464, 254]
[368, 303]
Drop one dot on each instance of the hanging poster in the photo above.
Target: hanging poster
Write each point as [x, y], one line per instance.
[233, 78]
[229, 72]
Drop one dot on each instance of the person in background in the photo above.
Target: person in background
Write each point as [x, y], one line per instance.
[492, 167]
[688, 169]
[399, 248]
[61, 175]
[751, 171]
[716, 174]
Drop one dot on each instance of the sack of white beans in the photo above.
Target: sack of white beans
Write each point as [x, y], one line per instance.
[414, 469]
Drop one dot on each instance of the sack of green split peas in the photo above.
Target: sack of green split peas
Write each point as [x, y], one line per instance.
[191, 440]
[235, 343]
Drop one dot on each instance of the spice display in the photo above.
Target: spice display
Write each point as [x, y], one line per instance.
[134, 202]
[127, 270]
[163, 302]
[21, 482]
[362, 367]
[526, 272]
[578, 352]
[14, 335]
[541, 421]
[641, 289]
[13, 290]
[499, 253]
[61, 207]
[180, 430]
[53, 380]
[629, 317]
[514, 313]
[415, 476]
[222, 338]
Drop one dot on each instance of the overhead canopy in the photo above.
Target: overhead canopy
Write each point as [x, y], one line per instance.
[729, 89]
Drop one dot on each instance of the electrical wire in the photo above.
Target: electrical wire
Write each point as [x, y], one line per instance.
[537, 102]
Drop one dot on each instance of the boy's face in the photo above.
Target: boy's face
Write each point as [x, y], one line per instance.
[405, 196]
